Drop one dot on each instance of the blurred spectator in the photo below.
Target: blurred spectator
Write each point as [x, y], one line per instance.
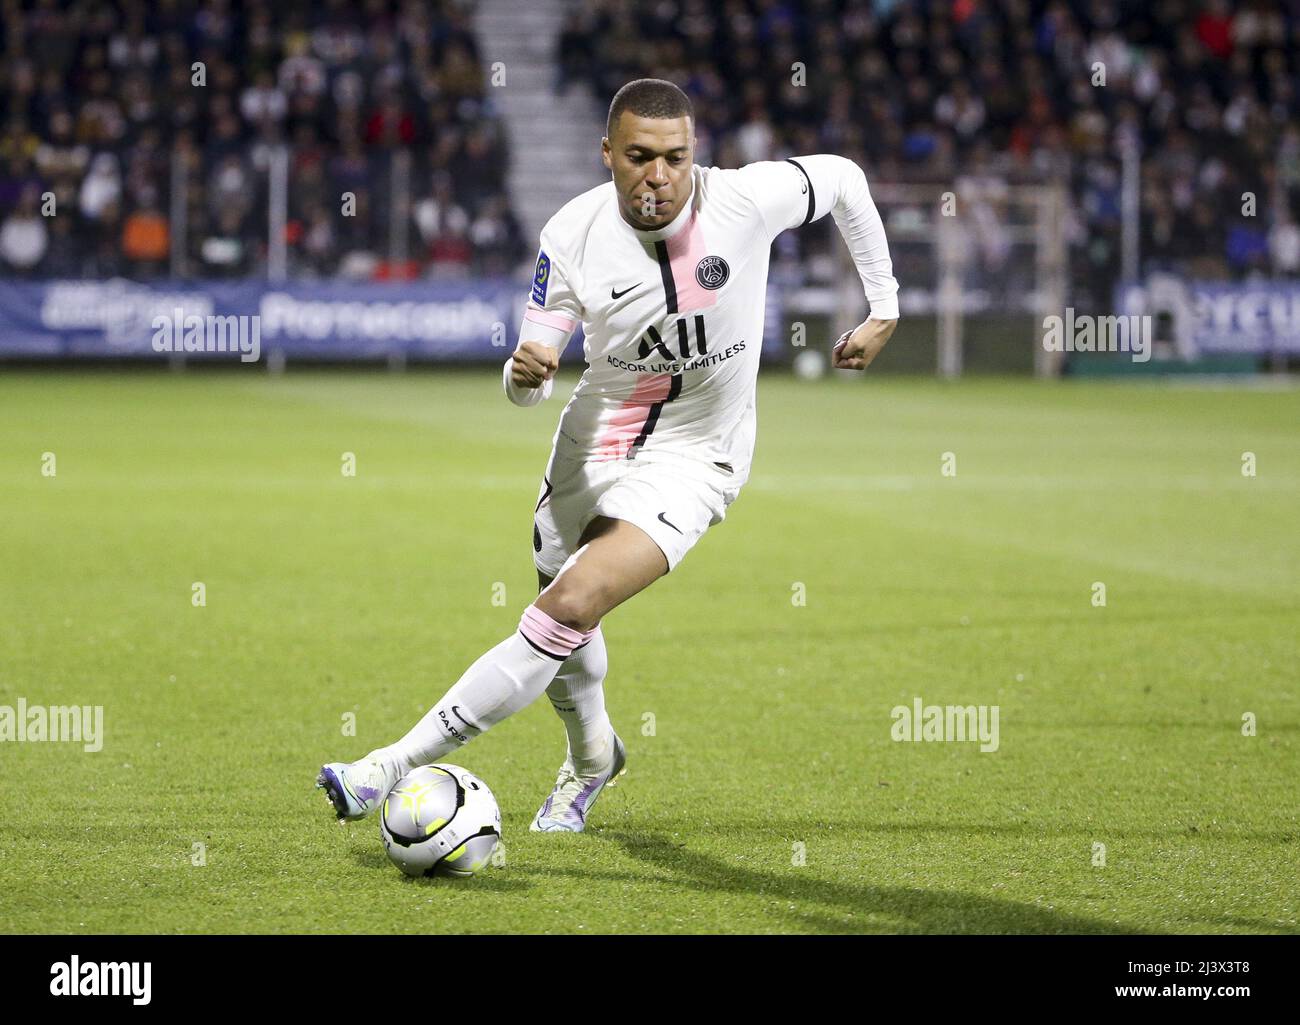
[478, 169]
[105, 243]
[450, 254]
[15, 178]
[100, 187]
[65, 256]
[146, 242]
[437, 214]
[23, 235]
[390, 124]
[317, 242]
[496, 236]
[60, 153]
[262, 101]
[573, 52]
[224, 252]
[1284, 245]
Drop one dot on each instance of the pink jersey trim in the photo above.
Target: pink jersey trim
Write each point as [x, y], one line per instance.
[555, 320]
[685, 251]
[623, 425]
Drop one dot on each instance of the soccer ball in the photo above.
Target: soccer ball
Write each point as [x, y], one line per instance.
[809, 365]
[440, 820]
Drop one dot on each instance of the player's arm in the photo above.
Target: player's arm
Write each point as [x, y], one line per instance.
[792, 192]
[552, 314]
[529, 374]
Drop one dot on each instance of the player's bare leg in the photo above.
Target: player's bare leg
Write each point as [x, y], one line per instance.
[595, 756]
[614, 561]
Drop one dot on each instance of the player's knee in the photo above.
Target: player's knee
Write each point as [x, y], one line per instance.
[572, 606]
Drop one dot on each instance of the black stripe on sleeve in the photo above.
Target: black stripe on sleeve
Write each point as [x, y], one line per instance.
[812, 196]
[666, 272]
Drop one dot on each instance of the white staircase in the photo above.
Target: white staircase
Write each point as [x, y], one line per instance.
[554, 140]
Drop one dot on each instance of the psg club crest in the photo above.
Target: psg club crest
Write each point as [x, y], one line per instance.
[712, 272]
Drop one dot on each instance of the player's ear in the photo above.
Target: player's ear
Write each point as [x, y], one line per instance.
[605, 152]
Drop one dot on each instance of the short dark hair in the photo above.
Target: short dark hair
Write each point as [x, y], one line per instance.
[649, 97]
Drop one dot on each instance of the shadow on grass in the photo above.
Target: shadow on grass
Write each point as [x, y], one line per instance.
[910, 909]
[490, 880]
[1189, 831]
[807, 902]
[1260, 925]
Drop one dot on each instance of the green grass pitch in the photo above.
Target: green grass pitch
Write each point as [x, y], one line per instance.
[758, 728]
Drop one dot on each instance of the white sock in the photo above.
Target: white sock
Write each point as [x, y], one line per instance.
[502, 681]
[578, 696]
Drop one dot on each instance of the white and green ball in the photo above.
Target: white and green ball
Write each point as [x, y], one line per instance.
[440, 820]
[809, 365]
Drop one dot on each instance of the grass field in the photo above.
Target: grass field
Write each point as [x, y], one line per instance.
[1119, 725]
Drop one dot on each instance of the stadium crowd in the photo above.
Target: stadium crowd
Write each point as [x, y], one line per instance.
[101, 108]
[990, 92]
[104, 99]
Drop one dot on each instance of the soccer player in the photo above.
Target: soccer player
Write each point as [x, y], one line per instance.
[665, 267]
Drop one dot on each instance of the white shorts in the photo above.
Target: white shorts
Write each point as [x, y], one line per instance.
[672, 497]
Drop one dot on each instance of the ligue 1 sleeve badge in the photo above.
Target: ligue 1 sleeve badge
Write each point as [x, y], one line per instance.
[540, 278]
[712, 272]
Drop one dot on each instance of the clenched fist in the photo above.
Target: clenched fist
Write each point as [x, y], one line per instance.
[857, 348]
[533, 364]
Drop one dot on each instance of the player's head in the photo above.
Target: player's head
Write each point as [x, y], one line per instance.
[649, 146]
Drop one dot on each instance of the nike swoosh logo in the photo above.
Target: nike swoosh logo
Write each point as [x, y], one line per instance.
[619, 295]
[664, 521]
[455, 710]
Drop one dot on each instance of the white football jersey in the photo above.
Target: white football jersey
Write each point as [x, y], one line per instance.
[673, 318]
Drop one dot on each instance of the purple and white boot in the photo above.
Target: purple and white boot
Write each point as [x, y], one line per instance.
[356, 789]
[565, 809]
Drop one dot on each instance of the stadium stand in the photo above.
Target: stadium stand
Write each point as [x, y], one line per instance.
[101, 109]
[933, 92]
[104, 99]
